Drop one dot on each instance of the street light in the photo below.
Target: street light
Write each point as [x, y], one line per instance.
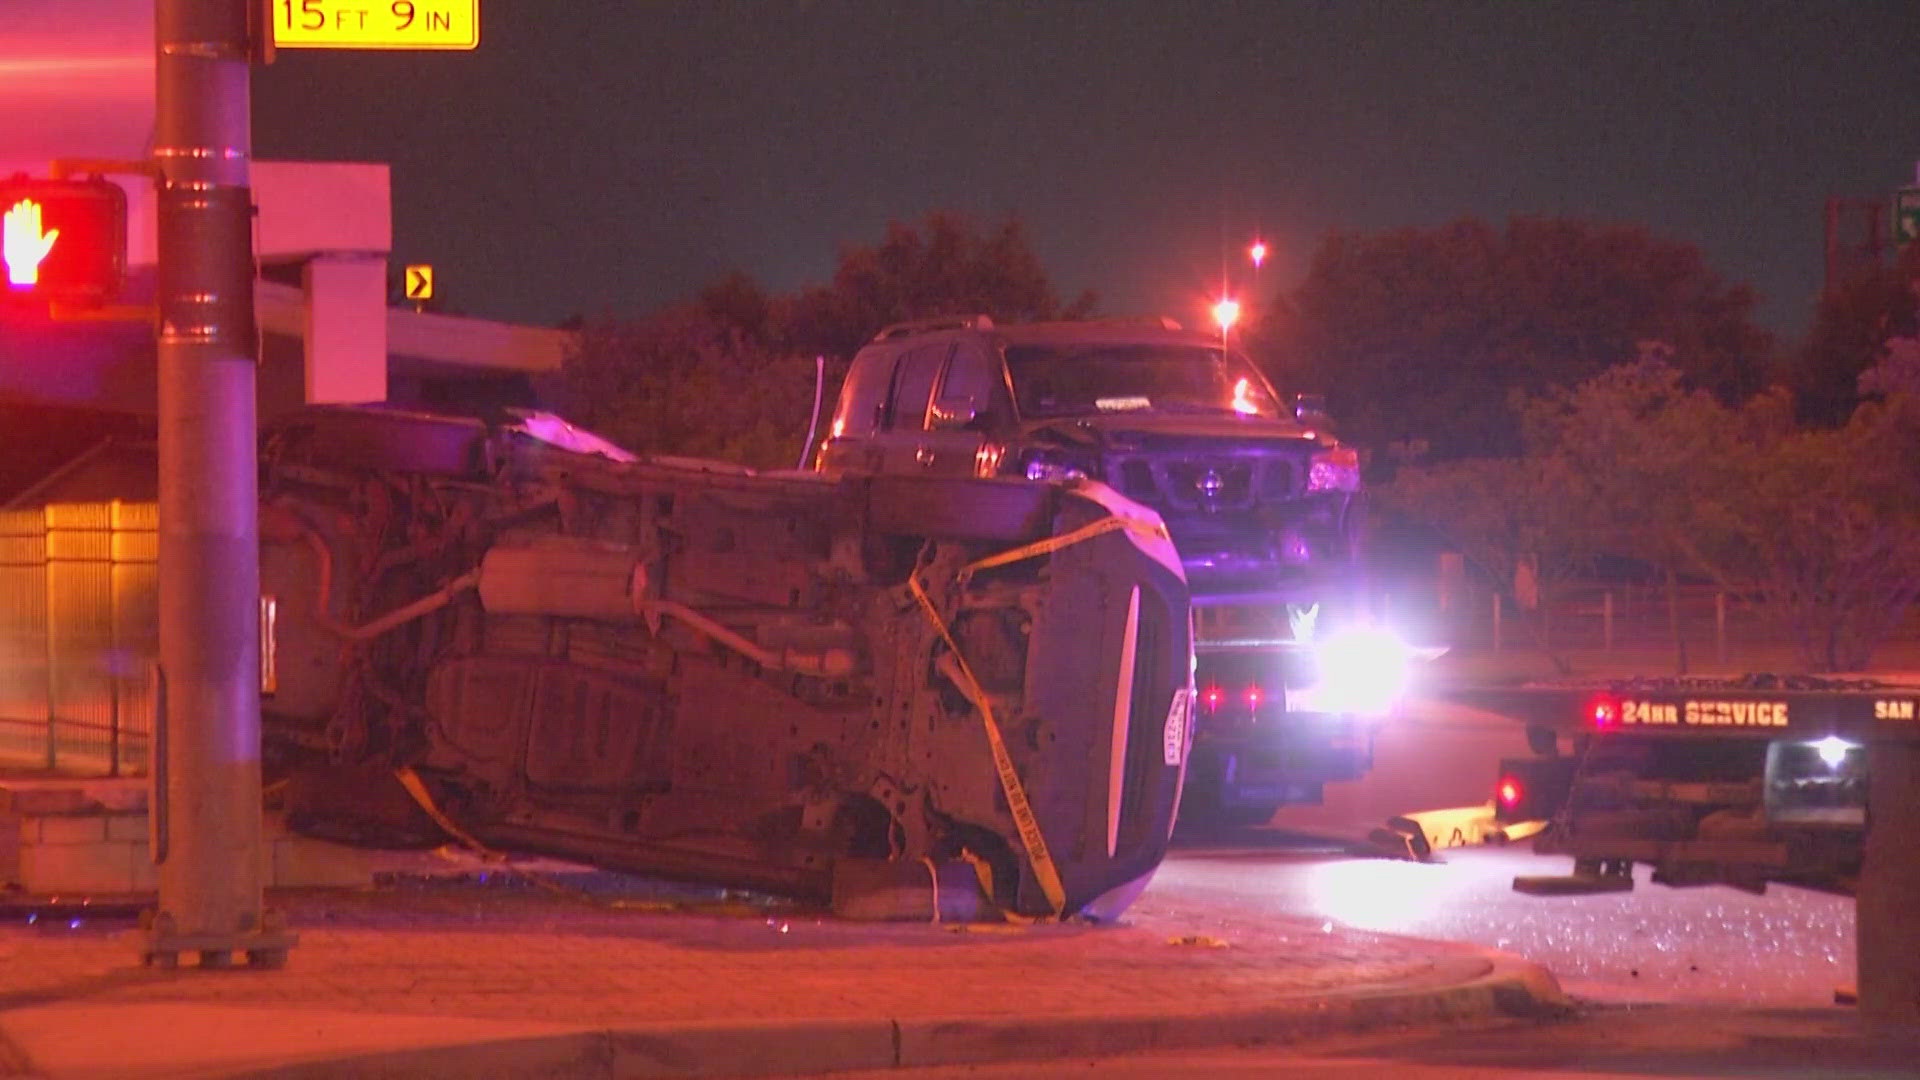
[1226, 312]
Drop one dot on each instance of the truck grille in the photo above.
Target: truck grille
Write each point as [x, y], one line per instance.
[1206, 484]
[1137, 482]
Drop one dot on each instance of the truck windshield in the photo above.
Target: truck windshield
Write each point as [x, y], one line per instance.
[1082, 379]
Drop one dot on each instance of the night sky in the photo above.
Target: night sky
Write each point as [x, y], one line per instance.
[612, 156]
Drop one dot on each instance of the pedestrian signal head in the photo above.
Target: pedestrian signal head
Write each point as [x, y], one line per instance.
[62, 241]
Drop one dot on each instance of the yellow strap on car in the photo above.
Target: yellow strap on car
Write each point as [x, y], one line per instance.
[1054, 543]
[424, 799]
[411, 781]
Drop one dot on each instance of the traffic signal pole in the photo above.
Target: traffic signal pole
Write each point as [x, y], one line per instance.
[206, 810]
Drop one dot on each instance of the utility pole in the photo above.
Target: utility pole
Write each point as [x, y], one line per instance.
[1887, 935]
[206, 806]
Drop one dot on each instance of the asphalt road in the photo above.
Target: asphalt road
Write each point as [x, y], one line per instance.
[1431, 754]
[1790, 948]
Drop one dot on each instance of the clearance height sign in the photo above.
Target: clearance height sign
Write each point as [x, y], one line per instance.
[375, 24]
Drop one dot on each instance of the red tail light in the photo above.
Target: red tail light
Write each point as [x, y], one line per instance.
[1509, 792]
[1604, 712]
[1253, 697]
[1211, 697]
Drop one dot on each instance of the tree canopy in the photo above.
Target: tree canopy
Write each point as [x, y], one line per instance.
[1816, 527]
[946, 265]
[1419, 336]
[688, 382]
[730, 374]
[1851, 328]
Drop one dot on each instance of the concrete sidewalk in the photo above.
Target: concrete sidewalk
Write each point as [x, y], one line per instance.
[488, 981]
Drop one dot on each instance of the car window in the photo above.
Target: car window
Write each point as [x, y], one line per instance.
[1081, 379]
[969, 378]
[863, 400]
[913, 386]
[970, 382]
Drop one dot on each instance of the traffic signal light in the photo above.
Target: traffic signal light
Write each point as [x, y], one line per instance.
[62, 241]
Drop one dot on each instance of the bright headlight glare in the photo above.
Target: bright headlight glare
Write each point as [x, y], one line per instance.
[1363, 669]
[1832, 750]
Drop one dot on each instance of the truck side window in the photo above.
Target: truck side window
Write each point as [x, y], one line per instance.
[913, 386]
[863, 401]
[969, 383]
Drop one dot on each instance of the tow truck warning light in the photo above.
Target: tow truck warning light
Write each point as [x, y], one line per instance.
[1604, 712]
[63, 241]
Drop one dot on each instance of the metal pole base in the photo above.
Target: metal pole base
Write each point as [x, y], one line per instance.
[264, 948]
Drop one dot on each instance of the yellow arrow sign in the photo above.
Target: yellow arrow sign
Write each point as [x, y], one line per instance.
[420, 282]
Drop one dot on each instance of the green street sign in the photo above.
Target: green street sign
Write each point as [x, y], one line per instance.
[1906, 215]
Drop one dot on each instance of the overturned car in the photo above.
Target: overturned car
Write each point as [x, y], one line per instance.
[805, 684]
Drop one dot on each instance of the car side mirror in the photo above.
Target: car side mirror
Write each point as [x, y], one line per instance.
[951, 415]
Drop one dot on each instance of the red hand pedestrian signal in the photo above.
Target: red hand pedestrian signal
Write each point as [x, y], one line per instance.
[22, 244]
[63, 241]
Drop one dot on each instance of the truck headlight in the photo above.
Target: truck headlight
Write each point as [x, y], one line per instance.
[1043, 466]
[1362, 670]
[1336, 469]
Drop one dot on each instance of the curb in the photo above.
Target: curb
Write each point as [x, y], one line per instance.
[1482, 986]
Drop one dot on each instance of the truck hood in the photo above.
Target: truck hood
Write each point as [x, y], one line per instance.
[1150, 431]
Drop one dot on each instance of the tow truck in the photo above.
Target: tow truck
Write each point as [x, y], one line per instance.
[1737, 781]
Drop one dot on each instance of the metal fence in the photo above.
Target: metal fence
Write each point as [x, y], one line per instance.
[1620, 616]
[79, 628]
[1634, 620]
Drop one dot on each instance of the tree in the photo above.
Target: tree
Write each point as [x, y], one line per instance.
[1851, 328]
[730, 374]
[1833, 537]
[1663, 467]
[1421, 335]
[1816, 527]
[688, 381]
[1502, 513]
[945, 266]
[1897, 372]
